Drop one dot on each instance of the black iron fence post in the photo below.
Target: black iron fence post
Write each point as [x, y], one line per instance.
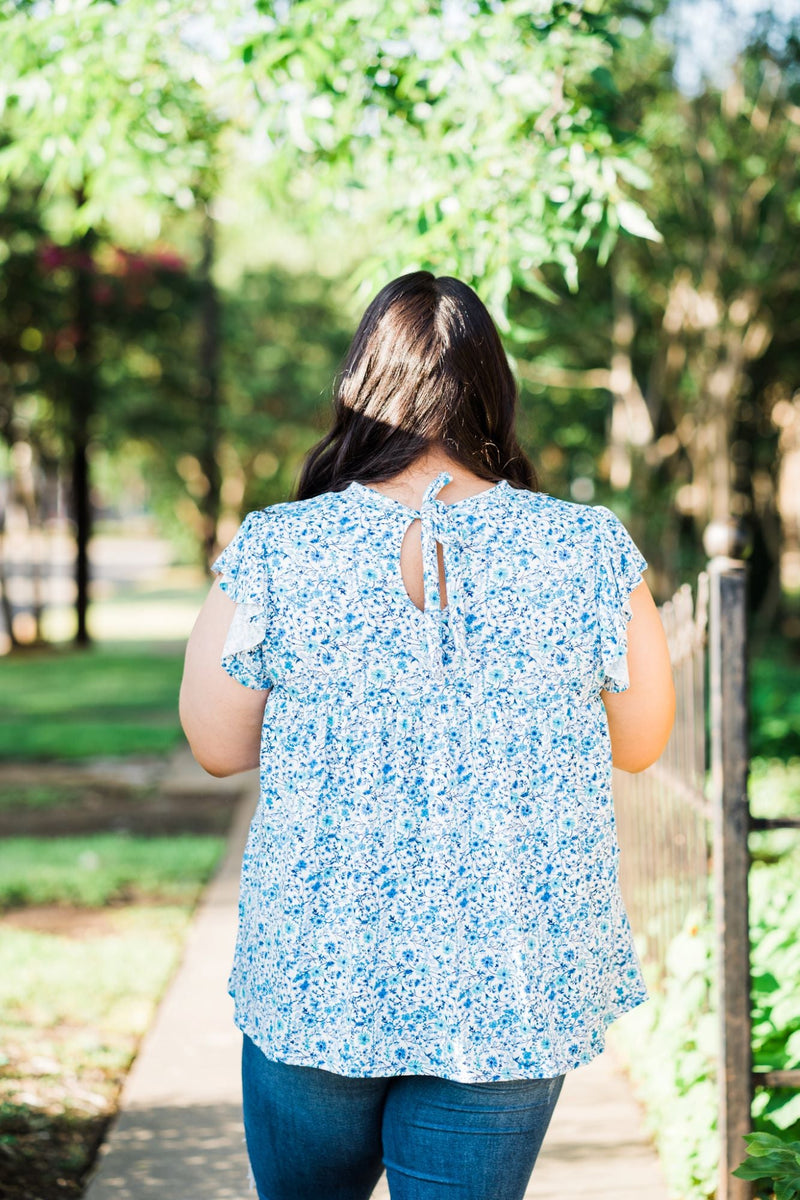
[729, 770]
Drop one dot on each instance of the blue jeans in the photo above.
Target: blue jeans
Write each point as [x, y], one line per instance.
[315, 1135]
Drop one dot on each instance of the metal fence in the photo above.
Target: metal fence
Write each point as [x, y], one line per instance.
[683, 828]
[663, 815]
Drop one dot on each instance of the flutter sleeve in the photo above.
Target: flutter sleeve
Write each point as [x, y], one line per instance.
[243, 572]
[618, 571]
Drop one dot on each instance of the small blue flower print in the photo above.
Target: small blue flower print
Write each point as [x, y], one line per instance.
[430, 884]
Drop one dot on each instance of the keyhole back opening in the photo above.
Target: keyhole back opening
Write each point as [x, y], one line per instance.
[411, 566]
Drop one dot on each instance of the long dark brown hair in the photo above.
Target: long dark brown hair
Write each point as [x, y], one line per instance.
[426, 368]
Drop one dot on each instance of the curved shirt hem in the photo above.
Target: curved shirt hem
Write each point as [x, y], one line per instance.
[546, 1068]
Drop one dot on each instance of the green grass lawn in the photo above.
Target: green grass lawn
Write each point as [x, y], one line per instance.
[102, 983]
[72, 1012]
[81, 973]
[105, 868]
[110, 700]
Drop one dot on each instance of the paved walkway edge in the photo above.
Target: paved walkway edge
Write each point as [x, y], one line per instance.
[179, 1131]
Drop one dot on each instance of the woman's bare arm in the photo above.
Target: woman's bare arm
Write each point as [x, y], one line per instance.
[221, 718]
[640, 719]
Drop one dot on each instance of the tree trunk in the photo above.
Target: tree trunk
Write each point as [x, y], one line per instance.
[631, 426]
[209, 391]
[5, 600]
[83, 404]
[26, 492]
[6, 607]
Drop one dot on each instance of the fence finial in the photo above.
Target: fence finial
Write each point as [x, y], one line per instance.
[727, 539]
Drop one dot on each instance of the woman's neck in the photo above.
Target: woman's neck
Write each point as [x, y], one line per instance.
[409, 484]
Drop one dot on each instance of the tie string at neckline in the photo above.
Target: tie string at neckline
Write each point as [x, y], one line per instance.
[430, 534]
[435, 517]
[432, 529]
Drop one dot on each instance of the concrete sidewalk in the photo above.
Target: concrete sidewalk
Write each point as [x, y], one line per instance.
[179, 1134]
[596, 1148]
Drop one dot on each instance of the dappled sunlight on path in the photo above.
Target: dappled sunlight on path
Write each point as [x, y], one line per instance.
[596, 1148]
[182, 1152]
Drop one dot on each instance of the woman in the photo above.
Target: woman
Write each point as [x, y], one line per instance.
[439, 664]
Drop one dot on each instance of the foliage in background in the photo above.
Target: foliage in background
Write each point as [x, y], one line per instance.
[102, 103]
[775, 701]
[506, 145]
[714, 311]
[482, 139]
[284, 336]
[681, 350]
[486, 130]
[143, 302]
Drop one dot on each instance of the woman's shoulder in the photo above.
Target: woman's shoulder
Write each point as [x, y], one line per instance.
[569, 514]
[292, 512]
[592, 531]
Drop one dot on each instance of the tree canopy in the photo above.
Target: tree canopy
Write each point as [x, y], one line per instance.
[633, 241]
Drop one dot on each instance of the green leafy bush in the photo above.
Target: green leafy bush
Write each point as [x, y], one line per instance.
[669, 1046]
[774, 930]
[775, 701]
[774, 1162]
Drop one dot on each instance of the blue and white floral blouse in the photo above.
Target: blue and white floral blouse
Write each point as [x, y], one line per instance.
[430, 881]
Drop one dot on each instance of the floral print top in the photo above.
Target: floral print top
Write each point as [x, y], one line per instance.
[430, 883]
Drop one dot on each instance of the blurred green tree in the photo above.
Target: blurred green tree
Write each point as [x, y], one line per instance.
[477, 136]
[656, 384]
[27, 428]
[102, 102]
[428, 116]
[716, 309]
[705, 322]
[523, 150]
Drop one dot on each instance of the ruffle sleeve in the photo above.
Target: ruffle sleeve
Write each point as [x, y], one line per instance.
[619, 571]
[243, 573]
